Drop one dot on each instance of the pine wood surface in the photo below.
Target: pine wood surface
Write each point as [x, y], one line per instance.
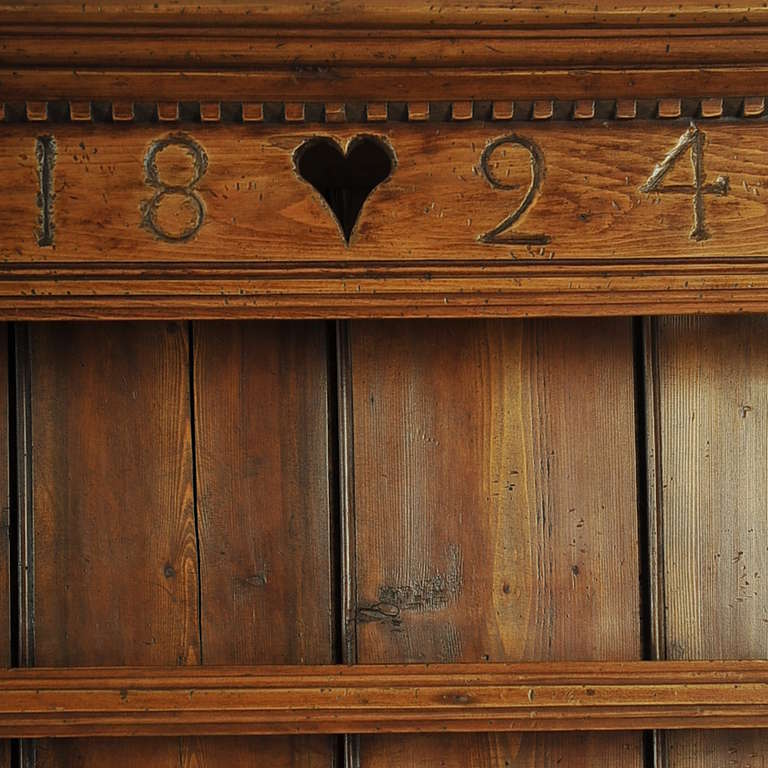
[482, 530]
[545, 696]
[223, 225]
[335, 51]
[133, 562]
[115, 559]
[466, 492]
[262, 453]
[711, 508]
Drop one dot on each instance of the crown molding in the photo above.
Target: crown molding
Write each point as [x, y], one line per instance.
[387, 51]
[390, 14]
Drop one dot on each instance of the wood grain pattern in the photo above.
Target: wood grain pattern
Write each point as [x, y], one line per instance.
[408, 51]
[262, 457]
[407, 698]
[269, 246]
[376, 83]
[712, 406]
[258, 211]
[115, 572]
[305, 13]
[484, 529]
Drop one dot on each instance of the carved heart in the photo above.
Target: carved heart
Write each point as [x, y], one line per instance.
[345, 179]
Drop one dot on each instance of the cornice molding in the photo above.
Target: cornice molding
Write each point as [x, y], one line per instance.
[388, 14]
[387, 51]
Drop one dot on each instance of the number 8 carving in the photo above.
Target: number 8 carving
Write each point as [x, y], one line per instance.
[164, 190]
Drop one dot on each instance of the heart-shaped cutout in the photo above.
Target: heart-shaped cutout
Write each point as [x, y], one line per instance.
[345, 179]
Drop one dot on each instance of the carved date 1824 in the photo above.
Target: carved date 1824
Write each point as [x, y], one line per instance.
[175, 164]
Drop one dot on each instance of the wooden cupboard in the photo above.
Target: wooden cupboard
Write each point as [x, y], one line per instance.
[384, 385]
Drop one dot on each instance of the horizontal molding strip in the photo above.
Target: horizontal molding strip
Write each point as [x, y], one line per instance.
[572, 696]
[306, 14]
[378, 113]
[329, 83]
[383, 50]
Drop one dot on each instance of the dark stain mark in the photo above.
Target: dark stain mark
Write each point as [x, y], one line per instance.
[457, 698]
[258, 579]
[168, 571]
[345, 179]
[45, 152]
[199, 167]
[433, 593]
[575, 570]
[378, 612]
[123, 694]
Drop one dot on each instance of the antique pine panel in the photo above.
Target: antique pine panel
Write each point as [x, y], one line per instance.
[262, 458]
[115, 568]
[608, 222]
[708, 377]
[493, 512]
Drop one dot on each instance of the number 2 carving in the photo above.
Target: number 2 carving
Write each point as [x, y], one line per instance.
[496, 235]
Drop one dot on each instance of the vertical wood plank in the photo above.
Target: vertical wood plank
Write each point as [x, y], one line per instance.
[709, 381]
[262, 447]
[5, 553]
[5, 558]
[495, 512]
[115, 547]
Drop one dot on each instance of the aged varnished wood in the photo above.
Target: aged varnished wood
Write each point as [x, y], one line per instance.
[380, 49]
[479, 467]
[705, 379]
[572, 696]
[554, 207]
[83, 461]
[140, 542]
[534, 505]
[528, 218]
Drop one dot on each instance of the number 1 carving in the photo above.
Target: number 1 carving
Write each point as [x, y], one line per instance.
[693, 138]
[45, 153]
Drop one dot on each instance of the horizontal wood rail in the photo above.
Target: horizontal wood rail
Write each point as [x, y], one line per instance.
[380, 50]
[582, 696]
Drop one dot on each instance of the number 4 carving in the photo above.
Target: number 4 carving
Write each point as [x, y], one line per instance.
[693, 138]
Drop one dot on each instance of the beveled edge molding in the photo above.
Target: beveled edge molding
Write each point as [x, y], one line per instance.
[300, 112]
[573, 696]
[386, 14]
[144, 291]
